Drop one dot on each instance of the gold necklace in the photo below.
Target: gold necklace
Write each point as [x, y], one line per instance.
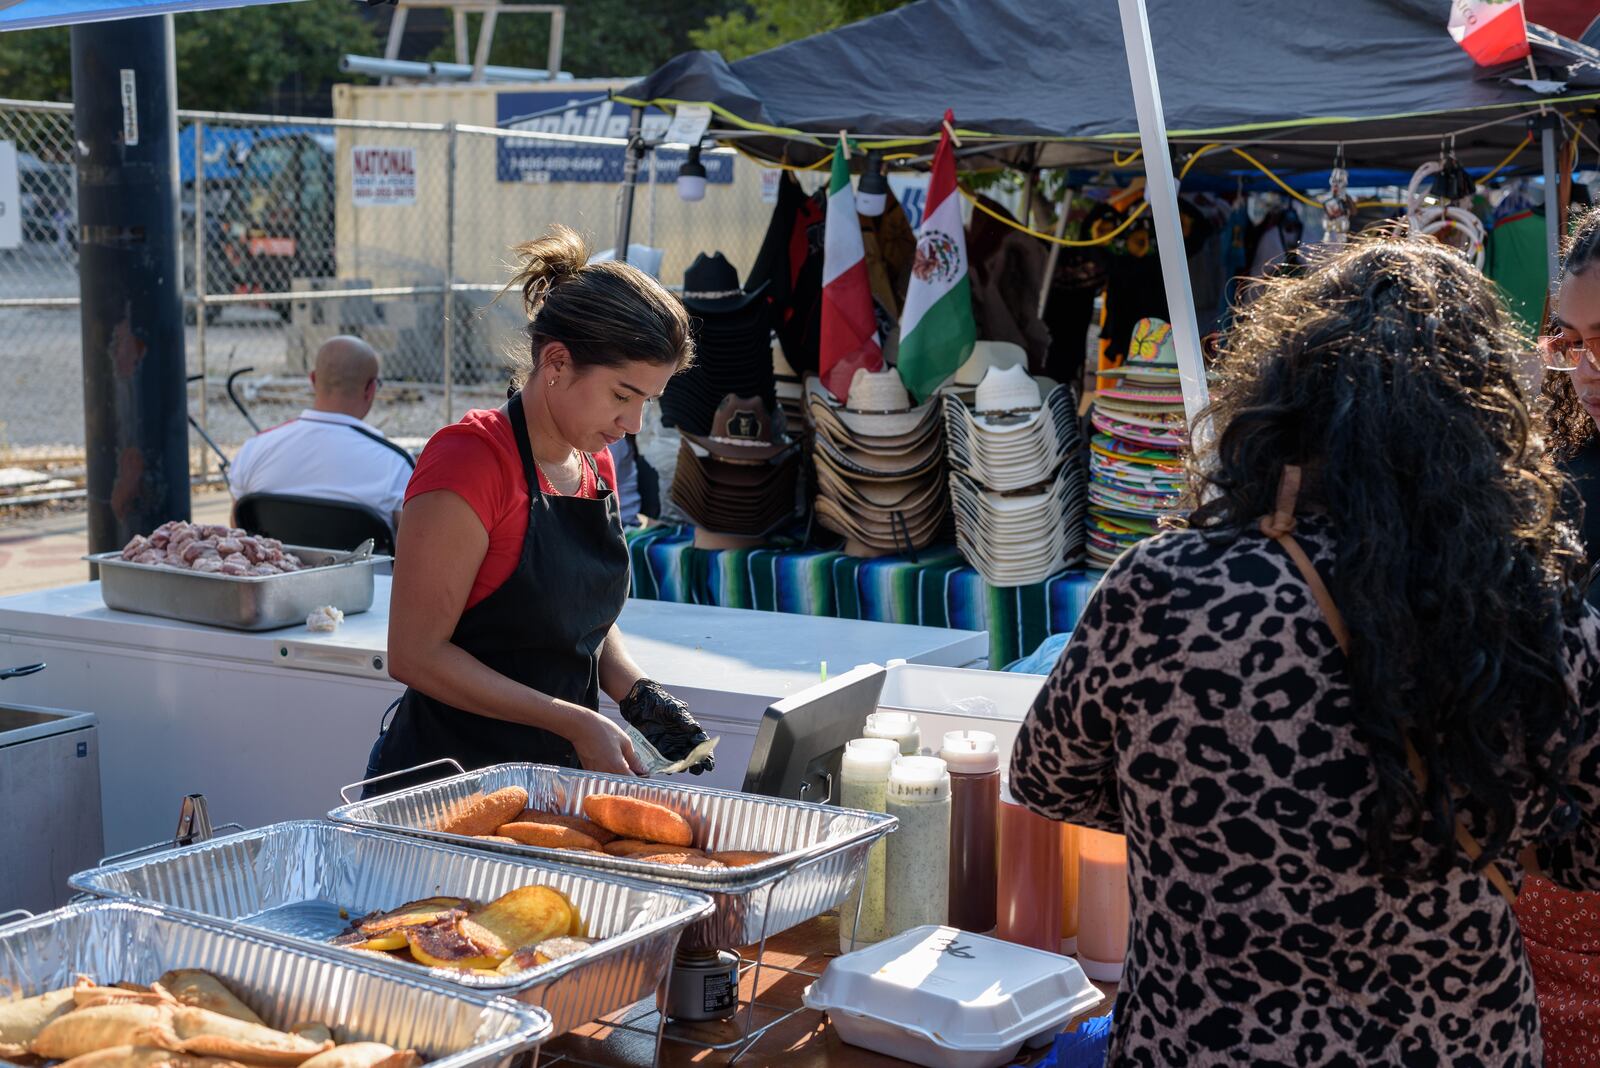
[554, 488]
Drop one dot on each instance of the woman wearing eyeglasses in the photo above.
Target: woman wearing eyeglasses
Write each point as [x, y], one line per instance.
[1574, 349]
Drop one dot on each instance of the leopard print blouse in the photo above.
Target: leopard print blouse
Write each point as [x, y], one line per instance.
[1201, 709]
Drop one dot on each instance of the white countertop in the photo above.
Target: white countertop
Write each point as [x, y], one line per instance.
[728, 649]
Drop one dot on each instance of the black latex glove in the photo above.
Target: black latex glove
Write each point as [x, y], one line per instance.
[665, 722]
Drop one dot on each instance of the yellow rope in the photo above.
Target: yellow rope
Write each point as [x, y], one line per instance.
[1262, 167]
[1515, 152]
[1120, 162]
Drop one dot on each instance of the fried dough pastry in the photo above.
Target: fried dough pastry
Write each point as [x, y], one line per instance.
[84, 1031]
[631, 817]
[576, 823]
[202, 990]
[549, 835]
[21, 1021]
[498, 839]
[312, 1031]
[481, 814]
[682, 860]
[86, 995]
[635, 849]
[364, 1055]
[144, 1057]
[740, 858]
[212, 1034]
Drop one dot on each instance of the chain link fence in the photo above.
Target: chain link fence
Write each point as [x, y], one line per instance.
[397, 232]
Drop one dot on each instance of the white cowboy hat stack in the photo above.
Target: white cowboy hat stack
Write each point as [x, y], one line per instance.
[1017, 483]
[880, 465]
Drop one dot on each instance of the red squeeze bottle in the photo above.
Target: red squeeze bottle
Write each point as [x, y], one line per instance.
[973, 759]
[1030, 876]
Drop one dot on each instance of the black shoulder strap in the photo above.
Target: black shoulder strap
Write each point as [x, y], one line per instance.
[386, 443]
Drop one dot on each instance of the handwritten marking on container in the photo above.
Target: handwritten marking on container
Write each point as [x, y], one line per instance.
[130, 107]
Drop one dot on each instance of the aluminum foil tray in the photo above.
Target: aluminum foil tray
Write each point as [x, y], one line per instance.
[289, 880]
[252, 602]
[120, 941]
[821, 849]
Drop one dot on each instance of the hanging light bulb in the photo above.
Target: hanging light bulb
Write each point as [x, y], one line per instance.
[872, 192]
[692, 177]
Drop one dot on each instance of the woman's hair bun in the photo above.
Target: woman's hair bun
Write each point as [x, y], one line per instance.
[545, 263]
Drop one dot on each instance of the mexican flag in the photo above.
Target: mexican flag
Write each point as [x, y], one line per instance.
[1492, 31]
[849, 325]
[936, 328]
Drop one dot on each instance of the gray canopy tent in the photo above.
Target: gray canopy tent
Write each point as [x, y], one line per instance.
[1040, 84]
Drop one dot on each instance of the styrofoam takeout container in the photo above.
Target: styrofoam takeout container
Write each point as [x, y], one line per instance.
[947, 999]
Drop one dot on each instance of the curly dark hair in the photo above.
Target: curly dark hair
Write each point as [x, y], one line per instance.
[1387, 373]
[1567, 426]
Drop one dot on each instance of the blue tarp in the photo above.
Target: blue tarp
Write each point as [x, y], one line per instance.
[33, 14]
[222, 147]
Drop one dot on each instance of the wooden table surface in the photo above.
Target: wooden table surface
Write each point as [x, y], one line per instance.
[806, 1041]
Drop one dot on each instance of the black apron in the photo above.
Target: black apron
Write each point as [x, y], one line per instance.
[543, 628]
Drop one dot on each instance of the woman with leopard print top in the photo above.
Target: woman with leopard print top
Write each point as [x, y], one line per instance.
[1298, 896]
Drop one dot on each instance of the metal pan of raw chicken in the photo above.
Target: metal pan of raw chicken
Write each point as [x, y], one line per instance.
[218, 576]
[578, 943]
[117, 985]
[767, 864]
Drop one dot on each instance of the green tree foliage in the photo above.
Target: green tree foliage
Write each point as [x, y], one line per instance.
[264, 58]
[603, 38]
[762, 24]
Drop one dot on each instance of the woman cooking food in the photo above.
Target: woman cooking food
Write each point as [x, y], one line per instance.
[511, 567]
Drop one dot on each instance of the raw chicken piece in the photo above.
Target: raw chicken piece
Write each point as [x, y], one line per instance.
[149, 556]
[136, 547]
[291, 562]
[265, 569]
[197, 549]
[239, 569]
[228, 546]
[207, 565]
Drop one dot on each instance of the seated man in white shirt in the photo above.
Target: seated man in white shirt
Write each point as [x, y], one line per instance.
[329, 453]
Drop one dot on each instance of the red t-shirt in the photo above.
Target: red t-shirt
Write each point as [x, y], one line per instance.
[476, 459]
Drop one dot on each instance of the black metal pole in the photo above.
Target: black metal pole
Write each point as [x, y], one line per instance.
[135, 401]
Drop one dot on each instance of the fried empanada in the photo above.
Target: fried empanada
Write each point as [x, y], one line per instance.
[365, 1055]
[87, 1030]
[87, 995]
[312, 1031]
[144, 1057]
[202, 990]
[480, 814]
[211, 1034]
[632, 817]
[21, 1021]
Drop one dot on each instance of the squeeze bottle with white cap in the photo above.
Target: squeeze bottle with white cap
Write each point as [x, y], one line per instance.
[864, 786]
[973, 758]
[899, 726]
[916, 880]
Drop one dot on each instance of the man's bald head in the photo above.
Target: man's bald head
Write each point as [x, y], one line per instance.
[346, 376]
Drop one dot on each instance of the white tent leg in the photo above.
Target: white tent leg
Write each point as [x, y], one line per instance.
[1161, 190]
[1552, 202]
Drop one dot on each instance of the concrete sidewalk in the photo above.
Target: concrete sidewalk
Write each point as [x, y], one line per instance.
[37, 554]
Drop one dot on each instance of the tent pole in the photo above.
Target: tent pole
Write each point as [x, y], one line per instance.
[1552, 201]
[1161, 190]
[630, 181]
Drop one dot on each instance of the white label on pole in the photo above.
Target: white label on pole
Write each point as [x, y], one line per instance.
[689, 125]
[10, 198]
[770, 181]
[130, 108]
[383, 176]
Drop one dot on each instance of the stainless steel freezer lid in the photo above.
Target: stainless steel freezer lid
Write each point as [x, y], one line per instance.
[28, 723]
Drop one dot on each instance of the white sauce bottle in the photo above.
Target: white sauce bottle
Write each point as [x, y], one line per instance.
[864, 786]
[917, 868]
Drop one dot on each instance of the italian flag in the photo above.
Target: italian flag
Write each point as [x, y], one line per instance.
[1493, 32]
[849, 325]
[936, 328]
